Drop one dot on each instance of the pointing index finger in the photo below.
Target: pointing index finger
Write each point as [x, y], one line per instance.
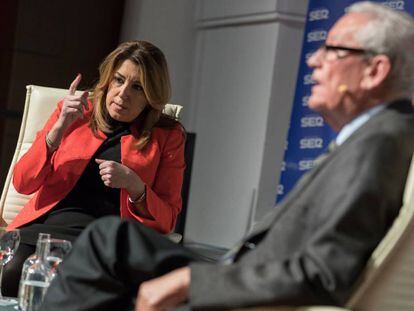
[74, 84]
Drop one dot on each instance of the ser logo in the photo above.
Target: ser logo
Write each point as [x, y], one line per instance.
[314, 121]
[311, 143]
[306, 165]
[305, 100]
[317, 35]
[283, 166]
[318, 14]
[394, 4]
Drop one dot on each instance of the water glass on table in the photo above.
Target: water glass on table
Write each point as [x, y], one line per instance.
[57, 252]
[35, 277]
[40, 271]
[9, 242]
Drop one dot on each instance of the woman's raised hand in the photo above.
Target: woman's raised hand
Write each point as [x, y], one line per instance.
[73, 105]
[72, 108]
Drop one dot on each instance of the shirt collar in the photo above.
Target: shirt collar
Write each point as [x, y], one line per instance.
[356, 123]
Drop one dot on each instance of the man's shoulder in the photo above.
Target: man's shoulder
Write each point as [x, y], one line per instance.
[397, 115]
[396, 121]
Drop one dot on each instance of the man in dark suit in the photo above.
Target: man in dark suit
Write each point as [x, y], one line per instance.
[314, 245]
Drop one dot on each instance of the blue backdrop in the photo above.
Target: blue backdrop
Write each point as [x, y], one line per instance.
[308, 135]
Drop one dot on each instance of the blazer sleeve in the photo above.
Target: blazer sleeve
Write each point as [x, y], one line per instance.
[163, 199]
[320, 273]
[34, 166]
[359, 203]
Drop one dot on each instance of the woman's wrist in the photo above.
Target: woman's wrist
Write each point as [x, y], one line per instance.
[138, 198]
[54, 136]
[52, 145]
[135, 188]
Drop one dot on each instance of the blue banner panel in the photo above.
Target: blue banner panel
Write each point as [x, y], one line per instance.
[308, 134]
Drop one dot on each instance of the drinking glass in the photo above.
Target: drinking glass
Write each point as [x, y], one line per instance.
[9, 242]
[58, 250]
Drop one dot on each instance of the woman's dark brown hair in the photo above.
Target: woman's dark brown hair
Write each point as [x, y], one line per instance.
[155, 82]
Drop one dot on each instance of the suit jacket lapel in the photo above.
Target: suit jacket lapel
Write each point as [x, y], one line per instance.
[279, 209]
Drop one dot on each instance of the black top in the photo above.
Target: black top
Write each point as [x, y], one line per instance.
[87, 201]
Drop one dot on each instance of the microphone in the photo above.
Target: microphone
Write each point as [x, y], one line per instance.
[342, 88]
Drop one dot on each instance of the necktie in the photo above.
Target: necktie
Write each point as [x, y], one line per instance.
[331, 147]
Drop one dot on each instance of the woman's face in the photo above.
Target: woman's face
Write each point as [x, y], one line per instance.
[125, 98]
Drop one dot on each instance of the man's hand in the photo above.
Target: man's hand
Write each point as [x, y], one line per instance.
[165, 292]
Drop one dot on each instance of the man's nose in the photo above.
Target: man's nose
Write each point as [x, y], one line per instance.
[315, 59]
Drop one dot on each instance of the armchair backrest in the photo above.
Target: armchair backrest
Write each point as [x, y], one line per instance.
[40, 103]
[388, 280]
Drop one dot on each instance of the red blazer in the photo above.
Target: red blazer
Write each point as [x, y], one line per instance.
[160, 165]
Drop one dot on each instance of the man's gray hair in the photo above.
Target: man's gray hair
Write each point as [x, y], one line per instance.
[391, 33]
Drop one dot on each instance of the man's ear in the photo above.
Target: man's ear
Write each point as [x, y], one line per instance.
[376, 72]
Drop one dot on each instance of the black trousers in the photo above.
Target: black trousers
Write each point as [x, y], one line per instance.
[108, 262]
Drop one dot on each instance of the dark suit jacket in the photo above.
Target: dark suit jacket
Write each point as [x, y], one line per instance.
[319, 238]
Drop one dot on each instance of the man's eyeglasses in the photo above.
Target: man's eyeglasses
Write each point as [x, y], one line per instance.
[334, 52]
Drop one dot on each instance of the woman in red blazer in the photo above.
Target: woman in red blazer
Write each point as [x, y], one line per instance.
[112, 153]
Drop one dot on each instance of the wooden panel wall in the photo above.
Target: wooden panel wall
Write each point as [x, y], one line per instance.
[47, 43]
